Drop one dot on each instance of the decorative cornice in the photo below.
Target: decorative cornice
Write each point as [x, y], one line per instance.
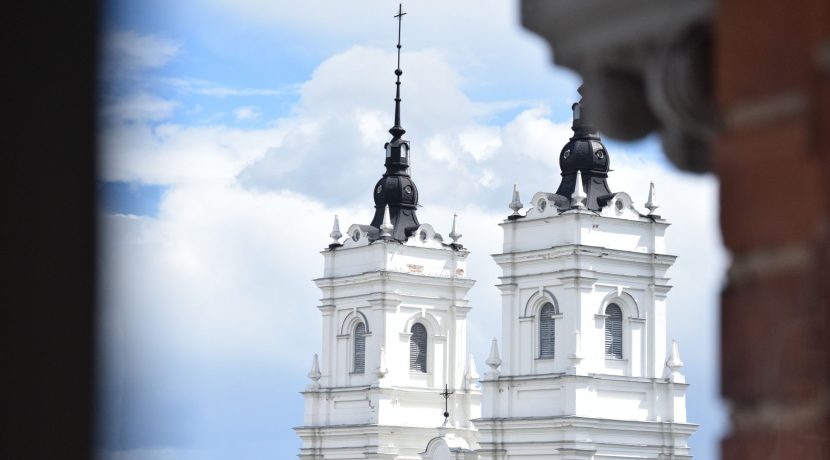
[394, 276]
[581, 250]
[579, 280]
[384, 300]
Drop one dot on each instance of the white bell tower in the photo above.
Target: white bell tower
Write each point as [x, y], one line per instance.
[585, 370]
[394, 313]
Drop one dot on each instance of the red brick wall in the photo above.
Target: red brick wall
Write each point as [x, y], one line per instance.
[772, 79]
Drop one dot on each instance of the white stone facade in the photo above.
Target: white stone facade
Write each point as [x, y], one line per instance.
[579, 403]
[389, 411]
[582, 403]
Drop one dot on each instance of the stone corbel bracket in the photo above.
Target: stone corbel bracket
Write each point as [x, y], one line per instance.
[646, 67]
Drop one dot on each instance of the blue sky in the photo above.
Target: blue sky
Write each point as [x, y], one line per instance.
[232, 131]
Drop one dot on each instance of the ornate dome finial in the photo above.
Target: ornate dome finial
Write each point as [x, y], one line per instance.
[584, 155]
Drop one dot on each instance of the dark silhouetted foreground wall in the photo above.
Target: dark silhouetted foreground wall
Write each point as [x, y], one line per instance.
[47, 178]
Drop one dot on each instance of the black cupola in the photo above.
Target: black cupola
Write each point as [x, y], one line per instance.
[585, 152]
[396, 189]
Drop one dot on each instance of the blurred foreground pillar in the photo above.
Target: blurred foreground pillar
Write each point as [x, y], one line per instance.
[47, 233]
[742, 89]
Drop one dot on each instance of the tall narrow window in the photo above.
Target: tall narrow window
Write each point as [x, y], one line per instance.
[360, 348]
[547, 331]
[613, 332]
[418, 348]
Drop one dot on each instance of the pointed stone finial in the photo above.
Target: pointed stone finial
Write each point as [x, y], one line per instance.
[651, 204]
[674, 364]
[335, 231]
[314, 374]
[577, 356]
[578, 346]
[471, 375]
[494, 360]
[386, 227]
[454, 234]
[516, 203]
[382, 369]
[578, 197]
[674, 361]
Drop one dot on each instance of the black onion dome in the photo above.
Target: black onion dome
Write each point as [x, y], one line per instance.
[396, 190]
[584, 152]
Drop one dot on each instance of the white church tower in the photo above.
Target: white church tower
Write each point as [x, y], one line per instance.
[585, 369]
[394, 314]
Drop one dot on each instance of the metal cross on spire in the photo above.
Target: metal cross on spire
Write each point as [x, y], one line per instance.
[446, 394]
[400, 16]
[397, 131]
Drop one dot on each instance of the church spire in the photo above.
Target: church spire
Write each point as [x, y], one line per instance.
[397, 131]
[396, 189]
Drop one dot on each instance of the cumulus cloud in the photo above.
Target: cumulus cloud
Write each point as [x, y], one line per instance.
[533, 135]
[173, 154]
[342, 118]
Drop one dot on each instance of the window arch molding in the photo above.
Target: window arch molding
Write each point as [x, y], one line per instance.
[350, 322]
[538, 300]
[433, 333]
[624, 300]
[427, 319]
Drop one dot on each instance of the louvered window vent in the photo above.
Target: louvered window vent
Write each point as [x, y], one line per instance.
[547, 331]
[613, 332]
[360, 348]
[418, 348]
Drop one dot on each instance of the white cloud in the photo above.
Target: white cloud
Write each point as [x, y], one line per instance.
[210, 88]
[174, 154]
[481, 142]
[219, 275]
[139, 107]
[532, 134]
[127, 52]
[247, 113]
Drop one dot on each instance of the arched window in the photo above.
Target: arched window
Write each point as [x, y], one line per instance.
[547, 331]
[613, 332]
[418, 348]
[360, 348]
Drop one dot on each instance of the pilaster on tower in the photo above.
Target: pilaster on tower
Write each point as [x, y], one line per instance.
[583, 370]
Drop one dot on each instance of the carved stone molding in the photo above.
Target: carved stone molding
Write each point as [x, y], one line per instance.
[645, 64]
